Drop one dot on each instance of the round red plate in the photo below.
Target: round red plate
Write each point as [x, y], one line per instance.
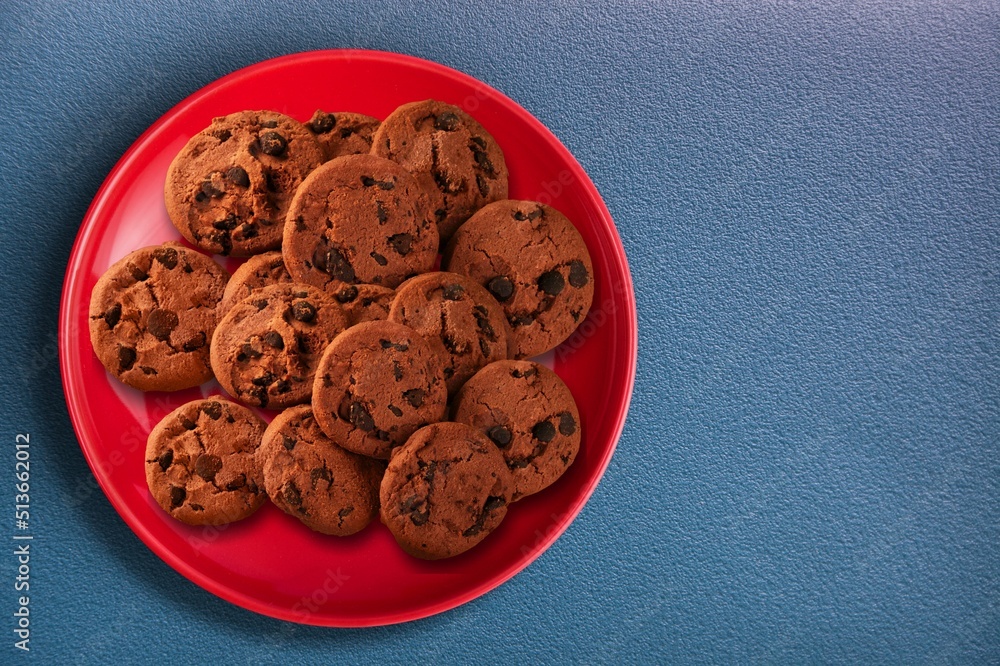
[270, 563]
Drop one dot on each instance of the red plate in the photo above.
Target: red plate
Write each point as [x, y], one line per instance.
[270, 563]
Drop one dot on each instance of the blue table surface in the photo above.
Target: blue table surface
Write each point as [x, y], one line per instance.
[809, 199]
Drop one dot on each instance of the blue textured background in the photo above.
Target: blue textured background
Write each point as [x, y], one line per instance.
[809, 200]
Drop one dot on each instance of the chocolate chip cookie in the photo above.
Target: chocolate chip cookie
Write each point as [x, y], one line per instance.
[256, 272]
[444, 491]
[359, 219]
[534, 261]
[152, 315]
[530, 414]
[306, 475]
[201, 464]
[265, 349]
[364, 302]
[376, 383]
[452, 156]
[343, 133]
[460, 320]
[228, 189]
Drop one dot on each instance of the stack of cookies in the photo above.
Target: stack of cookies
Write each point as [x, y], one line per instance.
[339, 321]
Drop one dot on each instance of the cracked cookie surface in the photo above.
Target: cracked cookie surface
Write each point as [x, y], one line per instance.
[461, 321]
[342, 133]
[527, 411]
[152, 315]
[227, 191]
[359, 219]
[453, 157]
[444, 491]
[536, 264]
[377, 383]
[256, 272]
[307, 476]
[265, 349]
[201, 464]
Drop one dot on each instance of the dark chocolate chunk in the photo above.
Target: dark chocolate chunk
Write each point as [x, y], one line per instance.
[161, 322]
[551, 282]
[207, 466]
[500, 435]
[272, 143]
[544, 431]
[567, 424]
[578, 275]
[501, 287]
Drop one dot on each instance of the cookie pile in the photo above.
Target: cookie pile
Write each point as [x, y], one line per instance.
[339, 319]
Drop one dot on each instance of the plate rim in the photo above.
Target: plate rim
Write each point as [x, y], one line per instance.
[209, 584]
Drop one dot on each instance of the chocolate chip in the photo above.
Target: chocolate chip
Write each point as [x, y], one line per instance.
[269, 123]
[346, 294]
[397, 370]
[237, 483]
[551, 282]
[289, 442]
[177, 495]
[272, 143]
[401, 243]
[333, 262]
[138, 274]
[493, 503]
[265, 379]
[346, 511]
[112, 315]
[501, 287]
[446, 122]
[482, 185]
[166, 459]
[368, 181]
[395, 410]
[222, 135]
[379, 259]
[417, 508]
[161, 322]
[292, 495]
[544, 431]
[567, 424]
[282, 386]
[500, 435]
[482, 321]
[484, 347]
[414, 396]
[188, 423]
[248, 230]
[386, 184]
[126, 358]
[147, 370]
[398, 346]
[452, 292]
[212, 410]
[483, 162]
[303, 311]
[228, 224]
[322, 123]
[209, 190]
[360, 418]
[260, 304]
[238, 176]
[380, 210]
[518, 374]
[273, 338]
[248, 351]
[318, 473]
[166, 256]
[578, 275]
[207, 466]
[200, 197]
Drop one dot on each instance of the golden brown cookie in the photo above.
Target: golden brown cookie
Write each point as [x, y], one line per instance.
[265, 349]
[306, 475]
[359, 219]
[201, 464]
[228, 189]
[444, 491]
[535, 263]
[530, 414]
[451, 155]
[343, 133]
[376, 383]
[152, 315]
[460, 320]
[256, 272]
